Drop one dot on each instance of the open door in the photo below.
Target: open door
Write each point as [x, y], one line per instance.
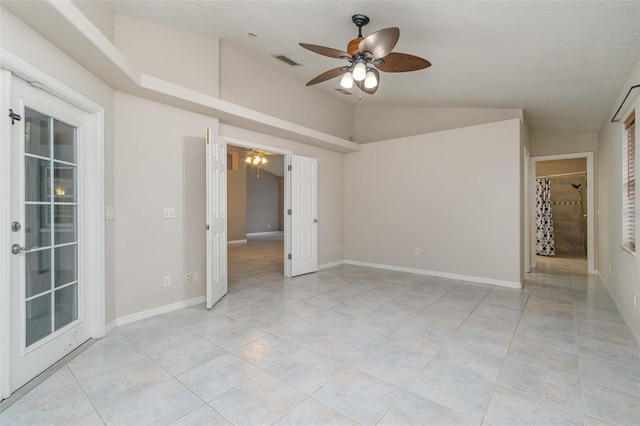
[304, 215]
[216, 219]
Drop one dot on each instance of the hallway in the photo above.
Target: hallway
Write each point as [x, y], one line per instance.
[355, 345]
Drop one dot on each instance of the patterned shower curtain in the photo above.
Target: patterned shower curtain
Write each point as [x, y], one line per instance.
[544, 219]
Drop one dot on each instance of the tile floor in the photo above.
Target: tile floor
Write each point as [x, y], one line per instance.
[352, 345]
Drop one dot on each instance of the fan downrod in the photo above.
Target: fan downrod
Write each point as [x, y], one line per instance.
[360, 21]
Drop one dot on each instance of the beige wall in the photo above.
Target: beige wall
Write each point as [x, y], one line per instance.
[27, 44]
[182, 57]
[454, 195]
[160, 162]
[330, 187]
[237, 202]
[624, 279]
[554, 167]
[99, 14]
[272, 90]
[382, 123]
[552, 142]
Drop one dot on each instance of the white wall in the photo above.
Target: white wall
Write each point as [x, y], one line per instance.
[160, 162]
[525, 152]
[182, 57]
[382, 123]
[270, 89]
[624, 279]
[330, 187]
[455, 195]
[27, 44]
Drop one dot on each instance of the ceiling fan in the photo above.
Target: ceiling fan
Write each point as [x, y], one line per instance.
[367, 55]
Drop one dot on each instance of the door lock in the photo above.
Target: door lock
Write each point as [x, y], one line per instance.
[17, 248]
[15, 226]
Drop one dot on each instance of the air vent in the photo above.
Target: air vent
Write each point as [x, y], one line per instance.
[287, 60]
[344, 91]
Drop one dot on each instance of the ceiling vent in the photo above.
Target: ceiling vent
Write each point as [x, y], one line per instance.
[287, 60]
[344, 91]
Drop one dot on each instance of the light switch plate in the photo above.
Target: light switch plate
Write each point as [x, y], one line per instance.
[169, 213]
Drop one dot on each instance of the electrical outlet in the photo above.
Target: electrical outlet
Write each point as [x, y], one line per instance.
[609, 269]
[187, 277]
[196, 276]
[417, 252]
[634, 300]
[269, 226]
[167, 280]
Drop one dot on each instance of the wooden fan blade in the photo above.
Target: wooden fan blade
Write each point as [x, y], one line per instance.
[372, 90]
[328, 75]
[380, 43]
[402, 62]
[326, 51]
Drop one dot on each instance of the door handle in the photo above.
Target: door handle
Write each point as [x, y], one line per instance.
[315, 221]
[17, 248]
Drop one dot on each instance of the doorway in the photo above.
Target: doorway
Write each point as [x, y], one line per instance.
[301, 217]
[562, 208]
[255, 204]
[52, 226]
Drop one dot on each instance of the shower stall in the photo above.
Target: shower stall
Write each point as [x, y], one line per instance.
[569, 208]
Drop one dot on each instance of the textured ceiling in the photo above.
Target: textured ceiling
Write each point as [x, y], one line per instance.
[563, 62]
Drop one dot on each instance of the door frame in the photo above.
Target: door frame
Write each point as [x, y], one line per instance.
[287, 190]
[590, 204]
[93, 161]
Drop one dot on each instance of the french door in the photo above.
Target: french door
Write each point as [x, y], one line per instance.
[216, 189]
[304, 215]
[48, 296]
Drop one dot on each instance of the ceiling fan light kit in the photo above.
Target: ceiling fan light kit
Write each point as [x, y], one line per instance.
[366, 56]
[347, 80]
[255, 158]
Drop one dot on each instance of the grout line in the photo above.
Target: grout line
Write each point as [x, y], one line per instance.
[33, 383]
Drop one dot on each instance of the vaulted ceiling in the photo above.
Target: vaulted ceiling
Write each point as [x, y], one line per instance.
[563, 62]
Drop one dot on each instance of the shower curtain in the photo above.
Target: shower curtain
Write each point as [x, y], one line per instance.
[544, 220]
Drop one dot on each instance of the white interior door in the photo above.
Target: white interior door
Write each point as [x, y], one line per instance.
[217, 280]
[49, 297]
[304, 215]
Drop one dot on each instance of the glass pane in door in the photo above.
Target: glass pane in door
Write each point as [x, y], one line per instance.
[38, 272]
[37, 222]
[66, 306]
[51, 224]
[64, 142]
[37, 137]
[38, 318]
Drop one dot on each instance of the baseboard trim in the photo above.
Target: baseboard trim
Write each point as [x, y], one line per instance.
[479, 280]
[110, 327]
[331, 264]
[258, 234]
[236, 242]
[635, 333]
[159, 310]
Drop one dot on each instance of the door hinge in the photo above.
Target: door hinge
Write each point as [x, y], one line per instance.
[206, 227]
[289, 256]
[289, 167]
[14, 117]
[289, 212]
